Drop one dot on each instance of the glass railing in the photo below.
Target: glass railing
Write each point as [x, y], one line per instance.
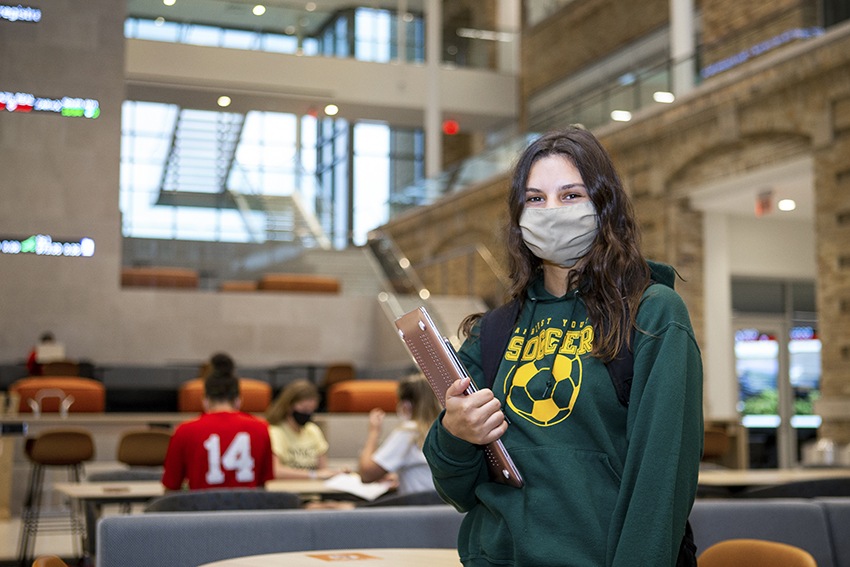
[495, 161]
[360, 33]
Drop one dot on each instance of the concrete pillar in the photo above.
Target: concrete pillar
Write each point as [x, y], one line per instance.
[509, 20]
[721, 387]
[433, 112]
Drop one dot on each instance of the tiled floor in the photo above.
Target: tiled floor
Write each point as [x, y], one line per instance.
[53, 543]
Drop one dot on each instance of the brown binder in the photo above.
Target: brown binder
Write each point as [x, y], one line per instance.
[439, 363]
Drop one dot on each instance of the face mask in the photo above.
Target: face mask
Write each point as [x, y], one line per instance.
[301, 418]
[560, 235]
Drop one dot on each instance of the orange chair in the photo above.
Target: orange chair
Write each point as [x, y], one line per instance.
[49, 561]
[238, 285]
[59, 394]
[353, 396]
[256, 395]
[299, 282]
[754, 553]
[155, 276]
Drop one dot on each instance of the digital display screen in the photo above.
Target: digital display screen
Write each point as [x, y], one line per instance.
[45, 245]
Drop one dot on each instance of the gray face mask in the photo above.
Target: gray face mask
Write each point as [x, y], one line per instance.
[560, 235]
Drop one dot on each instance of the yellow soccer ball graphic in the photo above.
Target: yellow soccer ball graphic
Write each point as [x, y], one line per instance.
[543, 397]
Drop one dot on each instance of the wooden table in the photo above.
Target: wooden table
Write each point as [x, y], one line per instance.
[349, 557]
[738, 479]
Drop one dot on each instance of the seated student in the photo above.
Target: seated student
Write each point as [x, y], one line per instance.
[36, 357]
[401, 452]
[224, 447]
[299, 446]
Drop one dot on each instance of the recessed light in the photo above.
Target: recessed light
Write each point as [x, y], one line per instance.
[259, 10]
[663, 97]
[331, 110]
[310, 6]
[169, 2]
[159, 21]
[621, 115]
[224, 101]
[786, 205]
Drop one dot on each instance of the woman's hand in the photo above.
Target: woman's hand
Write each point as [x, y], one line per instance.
[477, 417]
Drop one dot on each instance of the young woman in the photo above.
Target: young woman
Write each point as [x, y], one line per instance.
[401, 452]
[299, 446]
[606, 483]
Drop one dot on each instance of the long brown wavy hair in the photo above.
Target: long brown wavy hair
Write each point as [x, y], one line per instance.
[614, 274]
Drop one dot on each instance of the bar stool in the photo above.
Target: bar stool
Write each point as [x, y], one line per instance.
[67, 448]
[143, 451]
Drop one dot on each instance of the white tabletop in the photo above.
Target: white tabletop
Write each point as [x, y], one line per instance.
[140, 490]
[348, 557]
[766, 477]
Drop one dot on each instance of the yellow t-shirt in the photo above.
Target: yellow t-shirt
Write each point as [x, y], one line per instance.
[300, 450]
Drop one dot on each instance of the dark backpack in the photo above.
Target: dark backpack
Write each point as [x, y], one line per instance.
[496, 328]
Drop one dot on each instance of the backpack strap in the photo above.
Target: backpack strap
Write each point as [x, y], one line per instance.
[622, 370]
[496, 327]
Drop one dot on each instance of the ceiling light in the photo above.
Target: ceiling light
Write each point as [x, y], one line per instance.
[259, 10]
[169, 2]
[663, 97]
[331, 110]
[310, 6]
[223, 101]
[621, 115]
[159, 21]
[786, 205]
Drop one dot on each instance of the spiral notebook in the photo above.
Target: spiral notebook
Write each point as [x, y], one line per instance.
[438, 361]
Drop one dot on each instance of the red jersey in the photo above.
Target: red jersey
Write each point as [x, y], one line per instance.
[226, 449]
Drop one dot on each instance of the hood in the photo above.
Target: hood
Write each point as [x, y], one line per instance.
[662, 273]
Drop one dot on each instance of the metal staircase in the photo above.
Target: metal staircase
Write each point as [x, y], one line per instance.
[202, 138]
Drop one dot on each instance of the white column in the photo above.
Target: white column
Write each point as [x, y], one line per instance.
[509, 19]
[721, 383]
[682, 45]
[433, 113]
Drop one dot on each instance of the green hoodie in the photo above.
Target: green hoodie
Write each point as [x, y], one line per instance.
[605, 485]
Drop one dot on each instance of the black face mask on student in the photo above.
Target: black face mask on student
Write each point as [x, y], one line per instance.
[301, 418]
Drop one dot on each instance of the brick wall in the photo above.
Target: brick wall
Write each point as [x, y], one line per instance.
[732, 26]
[581, 33]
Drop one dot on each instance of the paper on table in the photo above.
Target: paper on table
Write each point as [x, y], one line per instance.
[351, 483]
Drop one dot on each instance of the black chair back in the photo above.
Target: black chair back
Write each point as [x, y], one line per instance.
[224, 499]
